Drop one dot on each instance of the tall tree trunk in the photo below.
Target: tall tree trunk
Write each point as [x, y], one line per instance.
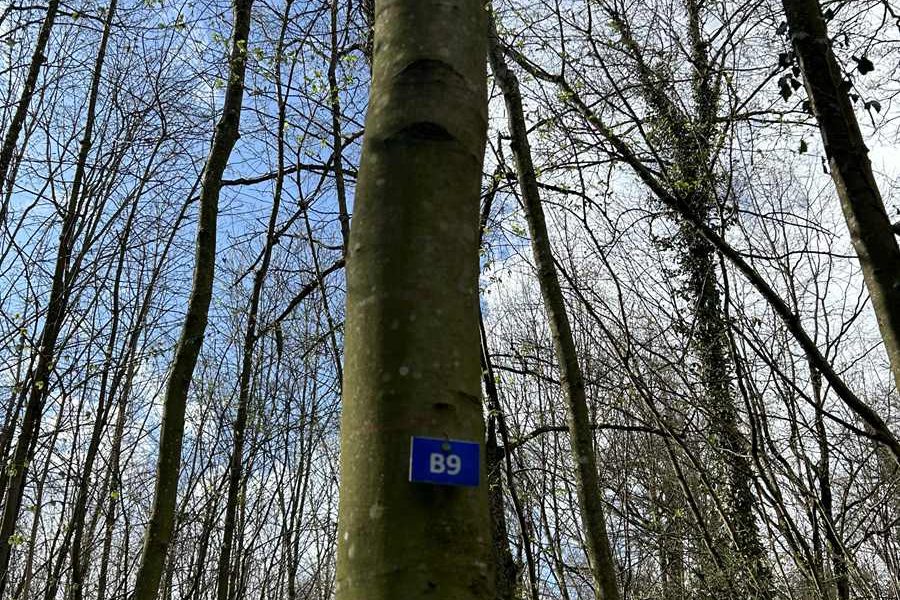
[506, 579]
[162, 519]
[38, 386]
[867, 218]
[691, 181]
[115, 487]
[412, 364]
[23, 589]
[839, 565]
[590, 497]
[109, 390]
[709, 339]
[235, 474]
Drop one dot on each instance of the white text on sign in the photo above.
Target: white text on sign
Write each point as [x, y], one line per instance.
[444, 463]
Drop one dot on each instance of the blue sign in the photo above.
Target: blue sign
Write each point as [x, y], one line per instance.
[444, 462]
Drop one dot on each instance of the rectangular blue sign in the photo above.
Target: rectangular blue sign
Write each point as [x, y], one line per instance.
[444, 462]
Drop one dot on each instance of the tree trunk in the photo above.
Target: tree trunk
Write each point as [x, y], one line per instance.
[497, 461]
[38, 58]
[867, 218]
[590, 497]
[412, 364]
[839, 565]
[160, 528]
[671, 514]
[506, 578]
[235, 474]
[38, 386]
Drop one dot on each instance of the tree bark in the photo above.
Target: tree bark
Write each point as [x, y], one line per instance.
[867, 219]
[412, 361]
[590, 497]
[162, 519]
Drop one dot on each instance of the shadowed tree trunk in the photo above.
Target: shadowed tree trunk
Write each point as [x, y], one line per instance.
[590, 497]
[867, 219]
[839, 567]
[412, 360]
[498, 460]
[162, 519]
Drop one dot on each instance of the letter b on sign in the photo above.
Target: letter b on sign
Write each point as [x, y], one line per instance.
[436, 463]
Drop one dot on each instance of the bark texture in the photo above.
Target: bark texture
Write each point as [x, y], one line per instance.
[412, 340]
[867, 219]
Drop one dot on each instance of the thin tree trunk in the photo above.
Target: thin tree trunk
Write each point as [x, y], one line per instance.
[162, 520]
[337, 137]
[506, 579]
[671, 536]
[835, 545]
[590, 497]
[13, 410]
[127, 373]
[108, 391]
[498, 460]
[38, 58]
[235, 474]
[78, 518]
[24, 588]
[412, 363]
[114, 494]
[867, 219]
[38, 386]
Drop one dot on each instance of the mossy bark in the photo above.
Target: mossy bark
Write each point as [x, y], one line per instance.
[412, 341]
[691, 179]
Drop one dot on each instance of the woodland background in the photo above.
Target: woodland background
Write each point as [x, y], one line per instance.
[770, 463]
